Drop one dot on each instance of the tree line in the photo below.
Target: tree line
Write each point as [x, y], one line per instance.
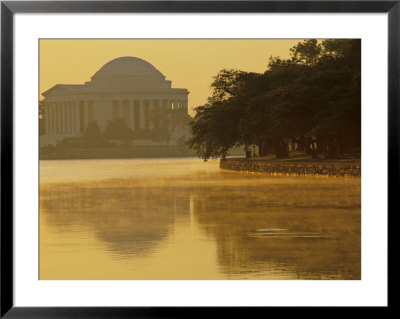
[163, 123]
[311, 101]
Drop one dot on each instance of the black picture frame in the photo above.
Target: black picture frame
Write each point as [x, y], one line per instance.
[9, 8]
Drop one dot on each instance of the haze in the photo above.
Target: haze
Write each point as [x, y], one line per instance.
[188, 63]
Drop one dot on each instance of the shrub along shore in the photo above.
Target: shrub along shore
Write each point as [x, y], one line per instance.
[295, 167]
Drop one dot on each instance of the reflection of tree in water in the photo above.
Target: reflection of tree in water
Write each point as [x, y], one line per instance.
[131, 217]
[310, 231]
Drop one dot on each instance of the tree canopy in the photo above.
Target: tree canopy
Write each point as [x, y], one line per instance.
[118, 130]
[316, 92]
[93, 135]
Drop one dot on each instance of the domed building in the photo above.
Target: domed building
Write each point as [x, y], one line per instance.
[125, 88]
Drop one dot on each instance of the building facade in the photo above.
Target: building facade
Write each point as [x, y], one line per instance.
[127, 88]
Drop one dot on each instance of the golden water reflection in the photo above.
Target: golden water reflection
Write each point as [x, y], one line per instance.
[185, 219]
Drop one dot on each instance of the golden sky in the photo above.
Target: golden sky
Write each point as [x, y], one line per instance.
[188, 63]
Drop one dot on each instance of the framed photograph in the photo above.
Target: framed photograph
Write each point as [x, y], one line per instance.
[181, 158]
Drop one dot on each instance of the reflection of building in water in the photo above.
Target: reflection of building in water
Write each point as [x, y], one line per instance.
[130, 217]
[125, 88]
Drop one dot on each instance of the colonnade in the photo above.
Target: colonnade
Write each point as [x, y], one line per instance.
[72, 117]
[136, 112]
[63, 118]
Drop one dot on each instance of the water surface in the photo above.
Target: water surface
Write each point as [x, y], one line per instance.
[186, 219]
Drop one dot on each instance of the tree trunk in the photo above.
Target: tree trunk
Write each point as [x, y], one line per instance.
[331, 147]
[284, 147]
[281, 150]
[313, 146]
[247, 151]
[263, 150]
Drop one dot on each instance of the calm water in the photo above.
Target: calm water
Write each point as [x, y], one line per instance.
[186, 219]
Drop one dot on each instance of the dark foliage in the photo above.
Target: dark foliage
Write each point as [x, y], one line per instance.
[313, 96]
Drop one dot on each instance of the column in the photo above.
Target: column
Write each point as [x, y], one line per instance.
[142, 114]
[90, 107]
[69, 122]
[81, 112]
[185, 105]
[85, 107]
[47, 118]
[115, 110]
[126, 112]
[73, 122]
[157, 105]
[121, 109]
[76, 107]
[71, 118]
[59, 117]
[62, 118]
[68, 117]
[71, 105]
[55, 119]
[137, 114]
[52, 118]
[132, 117]
[65, 118]
[150, 113]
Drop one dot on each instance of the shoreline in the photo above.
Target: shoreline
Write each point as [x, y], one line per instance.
[315, 168]
[97, 157]
[115, 153]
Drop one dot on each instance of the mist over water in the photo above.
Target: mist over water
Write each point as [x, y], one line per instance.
[186, 219]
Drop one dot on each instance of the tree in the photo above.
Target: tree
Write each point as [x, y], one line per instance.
[215, 128]
[166, 122]
[307, 52]
[231, 83]
[337, 106]
[282, 110]
[42, 118]
[331, 87]
[316, 93]
[118, 130]
[93, 135]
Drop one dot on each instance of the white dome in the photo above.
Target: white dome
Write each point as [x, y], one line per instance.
[128, 66]
[129, 71]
